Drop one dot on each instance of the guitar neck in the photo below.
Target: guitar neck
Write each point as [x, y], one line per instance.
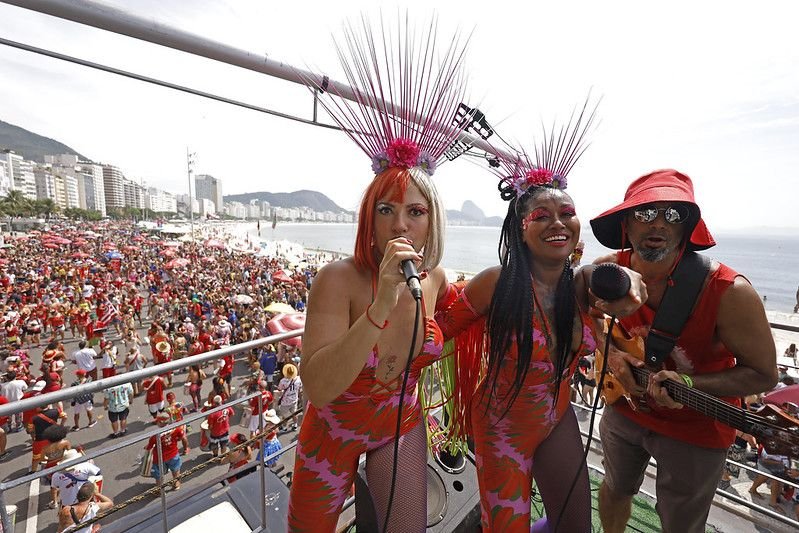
[700, 401]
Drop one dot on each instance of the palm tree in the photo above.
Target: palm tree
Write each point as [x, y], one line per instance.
[45, 207]
[15, 204]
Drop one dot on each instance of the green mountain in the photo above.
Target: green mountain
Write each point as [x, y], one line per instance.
[313, 199]
[30, 145]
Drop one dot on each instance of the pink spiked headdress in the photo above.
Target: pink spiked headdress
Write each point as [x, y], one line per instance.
[407, 93]
[553, 159]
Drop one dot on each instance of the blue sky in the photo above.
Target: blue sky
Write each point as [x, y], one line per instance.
[710, 88]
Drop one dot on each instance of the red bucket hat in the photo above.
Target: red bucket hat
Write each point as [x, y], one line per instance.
[666, 185]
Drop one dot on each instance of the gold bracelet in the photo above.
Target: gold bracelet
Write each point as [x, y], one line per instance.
[687, 379]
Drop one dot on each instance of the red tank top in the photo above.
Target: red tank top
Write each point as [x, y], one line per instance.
[698, 351]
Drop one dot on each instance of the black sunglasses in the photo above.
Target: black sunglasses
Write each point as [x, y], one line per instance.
[674, 214]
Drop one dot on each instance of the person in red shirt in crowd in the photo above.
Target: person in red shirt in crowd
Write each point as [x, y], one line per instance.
[162, 353]
[3, 421]
[226, 371]
[219, 428]
[255, 408]
[154, 395]
[169, 450]
[57, 324]
[137, 305]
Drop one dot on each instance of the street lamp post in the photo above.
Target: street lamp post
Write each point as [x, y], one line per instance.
[190, 164]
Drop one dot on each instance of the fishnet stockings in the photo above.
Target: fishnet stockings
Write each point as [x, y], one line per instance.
[409, 507]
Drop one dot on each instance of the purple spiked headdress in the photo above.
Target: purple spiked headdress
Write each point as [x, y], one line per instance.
[406, 94]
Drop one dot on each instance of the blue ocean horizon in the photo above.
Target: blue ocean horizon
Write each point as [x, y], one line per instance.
[771, 263]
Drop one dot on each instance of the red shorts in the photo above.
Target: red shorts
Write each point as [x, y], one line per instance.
[38, 448]
[108, 372]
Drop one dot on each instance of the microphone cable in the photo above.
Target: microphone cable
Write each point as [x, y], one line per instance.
[399, 411]
[583, 463]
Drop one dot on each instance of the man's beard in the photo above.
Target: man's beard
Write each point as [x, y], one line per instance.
[654, 255]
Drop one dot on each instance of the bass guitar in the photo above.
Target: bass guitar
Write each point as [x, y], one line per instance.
[775, 428]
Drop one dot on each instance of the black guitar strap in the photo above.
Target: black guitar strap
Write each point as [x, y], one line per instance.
[677, 304]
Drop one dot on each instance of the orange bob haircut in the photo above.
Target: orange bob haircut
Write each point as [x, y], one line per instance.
[398, 179]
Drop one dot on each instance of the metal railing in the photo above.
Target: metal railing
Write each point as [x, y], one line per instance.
[129, 377]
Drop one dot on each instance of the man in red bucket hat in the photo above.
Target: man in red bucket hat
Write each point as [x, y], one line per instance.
[724, 349]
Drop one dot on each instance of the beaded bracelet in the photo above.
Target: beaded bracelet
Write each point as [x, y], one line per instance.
[375, 324]
[687, 379]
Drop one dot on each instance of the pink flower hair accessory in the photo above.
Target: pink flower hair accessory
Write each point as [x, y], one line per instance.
[403, 153]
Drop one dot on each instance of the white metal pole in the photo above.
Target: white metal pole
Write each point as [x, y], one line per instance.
[116, 20]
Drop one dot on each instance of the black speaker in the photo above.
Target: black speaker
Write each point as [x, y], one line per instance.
[453, 501]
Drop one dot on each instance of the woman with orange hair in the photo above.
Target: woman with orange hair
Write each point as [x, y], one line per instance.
[361, 332]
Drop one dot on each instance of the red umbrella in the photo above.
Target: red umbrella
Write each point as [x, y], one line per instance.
[284, 322]
[179, 262]
[138, 238]
[169, 252]
[51, 246]
[281, 277]
[79, 255]
[129, 248]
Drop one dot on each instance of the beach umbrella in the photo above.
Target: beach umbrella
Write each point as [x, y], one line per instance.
[279, 307]
[287, 322]
[80, 242]
[179, 262]
[129, 248]
[243, 299]
[79, 255]
[214, 243]
[113, 255]
[51, 245]
[281, 277]
[169, 252]
[138, 238]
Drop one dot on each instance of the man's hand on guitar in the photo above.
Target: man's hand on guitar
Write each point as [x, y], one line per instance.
[658, 392]
[619, 363]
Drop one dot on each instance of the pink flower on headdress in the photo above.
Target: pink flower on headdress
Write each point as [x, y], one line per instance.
[402, 153]
[538, 176]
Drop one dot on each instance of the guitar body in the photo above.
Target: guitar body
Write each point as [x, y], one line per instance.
[776, 428]
[612, 389]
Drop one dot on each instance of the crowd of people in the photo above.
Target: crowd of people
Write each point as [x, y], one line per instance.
[78, 305]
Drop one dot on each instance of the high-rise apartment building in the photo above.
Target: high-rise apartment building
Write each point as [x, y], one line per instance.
[20, 173]
[210, 188]
[113, 183]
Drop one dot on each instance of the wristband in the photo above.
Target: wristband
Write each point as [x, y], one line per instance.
[375, 324]
[688, 381]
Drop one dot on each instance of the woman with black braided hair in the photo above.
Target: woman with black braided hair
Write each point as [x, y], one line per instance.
[516, 404]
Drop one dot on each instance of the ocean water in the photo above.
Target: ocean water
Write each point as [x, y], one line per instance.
[770, 263]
